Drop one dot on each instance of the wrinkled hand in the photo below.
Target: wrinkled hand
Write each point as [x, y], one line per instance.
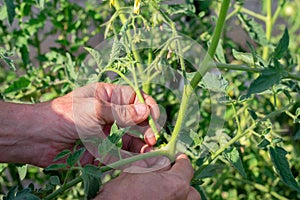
[171, 184]
[89, 111]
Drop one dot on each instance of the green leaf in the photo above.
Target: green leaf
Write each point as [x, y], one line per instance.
[220, 52]
[91, 185]
[252, 114]
[210, 171]
[196, 138]
[62, 154]
[10, 7]
[115, 51]
[213, 141]
[277, 140]
[22, 171]
[278, 157]
[233, 156]
[297, 135]
[253, 52]
[282, 46]
[40, 3]
[56, 167]
[249, 58]
[297, 112]
[70, 66]
[54, 180]
[2, 167]
[5, 56]
[25, 55]
[92, 171]
[214, 82]
[267, 79]
[112, 142]
[74, 157]
[24, 194]
[96, 56]
[263, 143]
[3, 13]
[254, 29]
[17, 85]
[245, 57]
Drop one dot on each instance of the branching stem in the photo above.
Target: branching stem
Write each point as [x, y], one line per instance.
[188, 89]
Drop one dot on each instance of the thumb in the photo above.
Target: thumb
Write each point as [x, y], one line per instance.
[183, 168]
[125, 115]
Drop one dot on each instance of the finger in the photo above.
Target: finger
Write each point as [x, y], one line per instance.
[85, 91]
[146, 130]
[193, 194]
[120, 95]
[161, 163]
[124, 115]
[123, 95]
[154, 109]
[149, 136]
[132, 144]
[183, 168]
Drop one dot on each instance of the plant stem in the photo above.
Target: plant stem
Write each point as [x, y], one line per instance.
[237, 121]
[250, 12]
[260, 187]
[135, 53]
[269, 26]
[245, 68]
[140, 70]
[188, 89]
[141, 99]
[63, 188]
[277, 11]
[238, 67]
[126, 161]
[139, 96]
[239, 135]
[213, 46]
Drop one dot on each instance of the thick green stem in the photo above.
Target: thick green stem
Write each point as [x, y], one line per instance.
[64, 187]
[126, 161]
[188, 89]
[213, 46]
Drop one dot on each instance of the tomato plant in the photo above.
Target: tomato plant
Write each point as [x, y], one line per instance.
[231, 98]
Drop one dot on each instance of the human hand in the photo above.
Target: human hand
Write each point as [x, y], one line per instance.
[48, 128]
[171, 184]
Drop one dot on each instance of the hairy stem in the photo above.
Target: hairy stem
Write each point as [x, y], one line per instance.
[126, 161]
[135, 53]
[66, 186]
[140, 70]
[188, 89]
[245, 68]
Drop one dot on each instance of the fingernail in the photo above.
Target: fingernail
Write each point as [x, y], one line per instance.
[182, 156]
[140, 109]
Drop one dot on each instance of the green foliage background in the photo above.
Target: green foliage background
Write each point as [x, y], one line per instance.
[262, 95]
